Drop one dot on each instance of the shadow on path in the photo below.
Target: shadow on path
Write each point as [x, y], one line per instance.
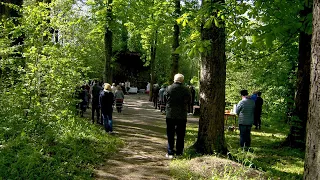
[143, 129]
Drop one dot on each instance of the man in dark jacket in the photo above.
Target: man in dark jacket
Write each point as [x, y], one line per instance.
[96, 89]
[177, 98]
[257, 111]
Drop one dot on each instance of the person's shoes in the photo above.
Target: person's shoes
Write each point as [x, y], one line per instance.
[169, 156]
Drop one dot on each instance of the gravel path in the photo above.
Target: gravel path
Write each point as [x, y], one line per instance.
[143, 129]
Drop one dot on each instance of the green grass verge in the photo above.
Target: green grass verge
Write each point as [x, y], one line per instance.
[64, 147]
[266, 156]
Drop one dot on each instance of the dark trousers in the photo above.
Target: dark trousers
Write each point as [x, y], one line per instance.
[107, 121]
[155, 102]
[95, 109]
[176, 127]
[257, 119]
[245, 135]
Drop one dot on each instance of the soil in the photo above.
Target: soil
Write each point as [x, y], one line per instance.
[142, 128]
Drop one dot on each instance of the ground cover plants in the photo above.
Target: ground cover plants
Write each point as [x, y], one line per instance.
[267, 159]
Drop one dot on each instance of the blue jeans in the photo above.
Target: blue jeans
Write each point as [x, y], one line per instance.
[245, 135]
[107, 121]
[176, 127]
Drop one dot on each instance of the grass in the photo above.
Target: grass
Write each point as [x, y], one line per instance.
[271, 161]
[65, 147]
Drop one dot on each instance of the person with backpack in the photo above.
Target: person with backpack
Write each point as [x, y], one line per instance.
[106, 101]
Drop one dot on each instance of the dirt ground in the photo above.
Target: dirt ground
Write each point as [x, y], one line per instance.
[143, 129]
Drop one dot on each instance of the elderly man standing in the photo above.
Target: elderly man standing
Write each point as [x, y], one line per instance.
[245, 111]
[177, 97]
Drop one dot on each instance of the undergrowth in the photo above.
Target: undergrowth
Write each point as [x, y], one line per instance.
[57, 145]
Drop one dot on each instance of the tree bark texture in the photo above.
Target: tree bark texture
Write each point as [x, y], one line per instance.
[297, 134]
[211, 137]
[312, 157]
[152, 63]
[108, 45]
[175, 44]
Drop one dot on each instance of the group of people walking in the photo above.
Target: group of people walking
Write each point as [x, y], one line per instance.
[103, 99]
[177, 100]
[159, 101]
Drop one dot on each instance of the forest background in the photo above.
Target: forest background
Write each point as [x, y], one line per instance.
[48, 49]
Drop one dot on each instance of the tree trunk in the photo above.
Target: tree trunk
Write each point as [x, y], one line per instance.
[108, 45]
[152, 64]
[297, 134]
[312, 158]
[175, 45]
[211, 137]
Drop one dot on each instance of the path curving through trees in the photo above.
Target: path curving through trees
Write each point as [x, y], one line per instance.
[143, 129]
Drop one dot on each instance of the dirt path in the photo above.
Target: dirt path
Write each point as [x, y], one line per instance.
[143, 129]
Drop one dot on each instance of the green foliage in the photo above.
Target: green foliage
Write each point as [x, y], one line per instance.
[41, 137]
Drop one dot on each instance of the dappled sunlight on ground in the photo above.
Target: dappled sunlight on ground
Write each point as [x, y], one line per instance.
[144, 131]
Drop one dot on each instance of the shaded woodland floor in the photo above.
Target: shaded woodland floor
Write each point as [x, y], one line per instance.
[143, 130]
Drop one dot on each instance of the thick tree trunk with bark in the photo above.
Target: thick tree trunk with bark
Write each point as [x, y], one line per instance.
[297, 134]
[211, 138]
[312, 158]
[175, 44]
[108, 46]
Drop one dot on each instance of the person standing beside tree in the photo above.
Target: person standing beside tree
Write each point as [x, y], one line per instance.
[177, 97]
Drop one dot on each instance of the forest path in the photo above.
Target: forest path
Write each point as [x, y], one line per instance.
[143, 130]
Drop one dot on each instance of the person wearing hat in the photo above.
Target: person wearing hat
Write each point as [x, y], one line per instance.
[245, 112]
[106, 101]
[177, 98]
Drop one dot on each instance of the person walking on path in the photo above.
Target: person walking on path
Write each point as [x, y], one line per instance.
[193, 94]
[177, 97]
[155, 95]
[96, 89]
[245, 111]
[106, 101]
[119, 96]
[258, 111]
[162, 102]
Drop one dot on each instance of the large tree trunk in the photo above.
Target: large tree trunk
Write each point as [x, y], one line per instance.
[211, 137]
[312, 158]
[175, 44]
[297, 134]
[152, 63]
[108, 45]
